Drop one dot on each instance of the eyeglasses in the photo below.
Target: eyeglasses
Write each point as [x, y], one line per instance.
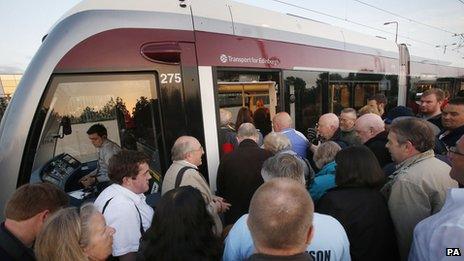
[454, 150]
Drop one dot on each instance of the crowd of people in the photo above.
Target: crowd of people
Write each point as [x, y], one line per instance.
[363, 185]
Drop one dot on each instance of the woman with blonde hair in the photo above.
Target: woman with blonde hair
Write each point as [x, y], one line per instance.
[75, 234]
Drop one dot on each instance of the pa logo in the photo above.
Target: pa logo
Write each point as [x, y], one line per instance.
[453, 251]
[223, 58]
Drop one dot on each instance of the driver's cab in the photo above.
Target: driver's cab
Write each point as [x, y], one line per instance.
[126, 104]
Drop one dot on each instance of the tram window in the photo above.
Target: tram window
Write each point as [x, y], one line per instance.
[339, 96]
[363, 91]
[353, 89]
[252, 89]
[252, 95]
[126, 104]
[303, 93]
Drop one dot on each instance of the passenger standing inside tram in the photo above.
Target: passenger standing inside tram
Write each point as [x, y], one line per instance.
[98, 135]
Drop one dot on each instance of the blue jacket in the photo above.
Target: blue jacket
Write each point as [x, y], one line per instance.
[324, 180]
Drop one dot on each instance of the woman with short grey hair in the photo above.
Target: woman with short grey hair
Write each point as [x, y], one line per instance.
[278, 143]
[324, 157]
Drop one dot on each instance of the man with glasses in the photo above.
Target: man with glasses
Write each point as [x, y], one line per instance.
[434, 235]
[347, 131]
[186, 155]
[418, 186]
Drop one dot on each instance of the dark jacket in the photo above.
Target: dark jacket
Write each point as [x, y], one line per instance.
[377, 146]
[364, 214]
[239, 175]
[450, 139]
[227, 140]
[338, 139]
[350, 137]
[436, 120]
[11, 248]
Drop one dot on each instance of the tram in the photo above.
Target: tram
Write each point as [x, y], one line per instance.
[151, 71]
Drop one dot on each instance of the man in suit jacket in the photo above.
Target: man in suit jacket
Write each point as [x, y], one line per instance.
[239, 173]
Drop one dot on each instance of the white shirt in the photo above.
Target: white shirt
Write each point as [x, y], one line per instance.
[121, 214]
[443, 230]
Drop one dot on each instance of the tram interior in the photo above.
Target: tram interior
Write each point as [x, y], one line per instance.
[65, 153]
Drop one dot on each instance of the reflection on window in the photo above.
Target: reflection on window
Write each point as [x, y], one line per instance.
[353, 90]
[306, 89]
[339, 95]
[125, 104]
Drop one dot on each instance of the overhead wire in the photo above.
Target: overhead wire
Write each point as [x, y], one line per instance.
[345, 20]
[404, 17]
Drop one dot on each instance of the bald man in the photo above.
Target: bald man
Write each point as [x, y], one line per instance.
[281, 221]
[329, 243]
[282, 123]
[328, 130]
[371, 130]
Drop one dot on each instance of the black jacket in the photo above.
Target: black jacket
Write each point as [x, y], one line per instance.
[364, 214]
[239, 175]
[11, 249]
[451, 138]
[377, 146]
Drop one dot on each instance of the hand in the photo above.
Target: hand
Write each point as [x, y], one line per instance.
[222, 204]
[88, 180]
[312, 136]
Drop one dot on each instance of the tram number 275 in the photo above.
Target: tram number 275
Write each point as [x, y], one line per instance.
[170, 78]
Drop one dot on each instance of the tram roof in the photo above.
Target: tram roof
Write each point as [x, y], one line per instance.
[229, 17]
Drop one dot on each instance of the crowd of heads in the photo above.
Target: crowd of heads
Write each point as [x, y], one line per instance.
[281, 210]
